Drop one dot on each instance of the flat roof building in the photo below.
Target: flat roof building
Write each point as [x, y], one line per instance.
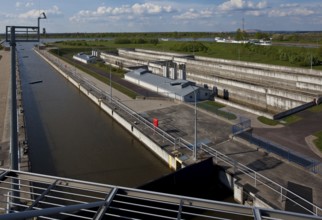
[84, 58]
[178, 89]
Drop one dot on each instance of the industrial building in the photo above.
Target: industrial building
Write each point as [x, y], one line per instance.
[84, 58]
[178, 89]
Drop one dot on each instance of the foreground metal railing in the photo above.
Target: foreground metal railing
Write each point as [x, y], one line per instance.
[50, 197]
[219, 157]
[257, 179]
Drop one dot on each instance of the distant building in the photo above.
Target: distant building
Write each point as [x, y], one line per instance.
[41, 46]
[6, 46]
[84, 58]
[178, 89]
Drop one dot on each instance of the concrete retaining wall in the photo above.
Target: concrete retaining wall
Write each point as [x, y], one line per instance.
[142, 56]
[125, 61]
[261, 66]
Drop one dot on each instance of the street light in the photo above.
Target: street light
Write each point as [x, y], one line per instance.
[195, 144]
[42, 16]
[110, 82]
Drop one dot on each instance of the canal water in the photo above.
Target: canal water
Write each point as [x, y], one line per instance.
[71, 137]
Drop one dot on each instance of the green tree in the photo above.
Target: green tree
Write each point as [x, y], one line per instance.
[240, 35]
[320, 52]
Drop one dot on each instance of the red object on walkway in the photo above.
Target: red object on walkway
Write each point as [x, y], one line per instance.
[156, 122]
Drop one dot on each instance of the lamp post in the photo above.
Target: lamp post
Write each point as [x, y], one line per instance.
[110, 82]
[195, 141]
[42, 16]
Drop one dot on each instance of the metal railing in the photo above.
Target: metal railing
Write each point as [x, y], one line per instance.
[306, 162]
[54, 198]
[258, 178]
[132, 115]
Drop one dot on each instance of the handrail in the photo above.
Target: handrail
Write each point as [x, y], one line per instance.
[255, 175]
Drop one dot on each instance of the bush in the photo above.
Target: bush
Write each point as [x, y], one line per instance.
[191, 47]
[122, 41]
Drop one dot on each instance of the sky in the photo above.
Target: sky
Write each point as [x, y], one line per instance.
[163, 15]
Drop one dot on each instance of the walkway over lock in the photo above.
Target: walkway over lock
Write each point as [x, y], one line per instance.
[49, 197]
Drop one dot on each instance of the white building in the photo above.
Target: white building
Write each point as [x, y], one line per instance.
[84, 58]
[178, 89]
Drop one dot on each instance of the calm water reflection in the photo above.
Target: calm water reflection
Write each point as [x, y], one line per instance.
[69, 136]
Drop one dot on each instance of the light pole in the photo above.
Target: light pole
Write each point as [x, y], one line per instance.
[195, 144]
[110, 82]
[42, 16]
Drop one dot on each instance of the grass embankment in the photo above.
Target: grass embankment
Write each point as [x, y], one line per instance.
[214, 107]
[317, 108]
[105, 79]
[285, 121]
[289, 119]
[318, 141]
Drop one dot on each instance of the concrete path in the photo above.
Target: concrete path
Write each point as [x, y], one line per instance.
[4, 108]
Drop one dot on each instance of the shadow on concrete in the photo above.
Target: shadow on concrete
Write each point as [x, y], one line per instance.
[264, 164]
[242, 152]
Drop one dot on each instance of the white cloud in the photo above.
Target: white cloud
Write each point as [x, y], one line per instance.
[35, 13]
[255, 13]
[231, 5]
[293, 12]
[289, 5]
[195, 14]
[27, 4]
[123, 12]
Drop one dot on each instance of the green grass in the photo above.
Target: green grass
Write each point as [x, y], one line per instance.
[267, 121]
[285, 121]
[317, 108]
[214, 107]
[291, 119]
[266, 55]
[318, 142]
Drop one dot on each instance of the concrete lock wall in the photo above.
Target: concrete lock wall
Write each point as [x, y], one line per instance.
[138, 55]
[126, 62]
[263, 66]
